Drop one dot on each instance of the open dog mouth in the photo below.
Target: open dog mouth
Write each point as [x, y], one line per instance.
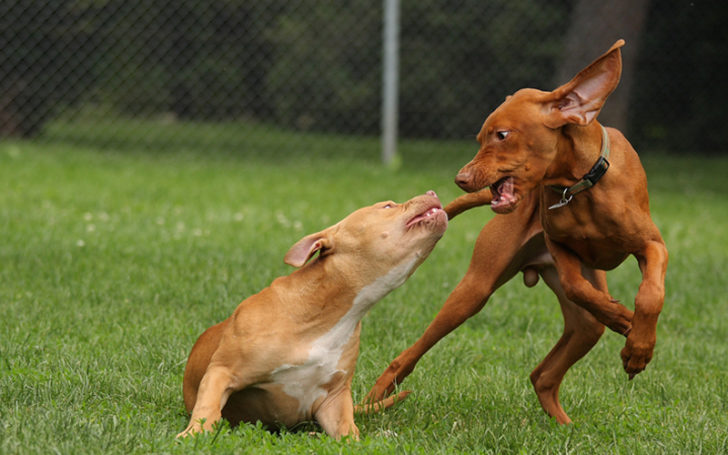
[422, 218]
[504, 197]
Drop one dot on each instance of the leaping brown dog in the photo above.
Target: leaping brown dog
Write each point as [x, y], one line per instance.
[571, 202]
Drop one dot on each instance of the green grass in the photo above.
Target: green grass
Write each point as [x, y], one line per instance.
[113, 261]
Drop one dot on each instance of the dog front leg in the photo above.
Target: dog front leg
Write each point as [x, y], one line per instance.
[501, 250]
[468, 201]
[640, 344]
[215, 389]
[336, 416]
[462, 303]
[582, 292]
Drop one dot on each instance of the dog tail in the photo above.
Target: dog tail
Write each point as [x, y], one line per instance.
[370, 408]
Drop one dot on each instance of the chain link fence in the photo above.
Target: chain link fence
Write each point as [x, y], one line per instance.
[165, 74]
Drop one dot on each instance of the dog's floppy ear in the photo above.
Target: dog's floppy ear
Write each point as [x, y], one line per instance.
[580, 100]
[305, 248]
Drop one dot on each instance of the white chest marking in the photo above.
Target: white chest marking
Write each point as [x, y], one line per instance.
[304, 381]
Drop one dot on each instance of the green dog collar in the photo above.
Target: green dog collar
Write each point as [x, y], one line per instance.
[589, 179]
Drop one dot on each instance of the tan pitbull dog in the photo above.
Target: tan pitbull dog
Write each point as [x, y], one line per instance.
[571, 201]
[287, 354]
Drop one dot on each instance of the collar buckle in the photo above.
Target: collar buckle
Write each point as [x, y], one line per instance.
[565, 199]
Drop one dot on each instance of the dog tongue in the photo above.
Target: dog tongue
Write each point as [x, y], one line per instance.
[504, 193]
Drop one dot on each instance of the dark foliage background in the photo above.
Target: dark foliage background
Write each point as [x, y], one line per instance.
[316, 65]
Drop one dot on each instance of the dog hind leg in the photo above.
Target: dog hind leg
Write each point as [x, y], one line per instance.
[581, 333]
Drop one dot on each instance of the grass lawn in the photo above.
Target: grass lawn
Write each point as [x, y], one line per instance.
[114, 260]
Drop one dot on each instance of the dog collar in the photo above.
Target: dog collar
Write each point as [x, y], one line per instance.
[589, 179]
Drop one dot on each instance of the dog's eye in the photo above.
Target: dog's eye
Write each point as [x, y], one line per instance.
[502, 135]
[388, 205]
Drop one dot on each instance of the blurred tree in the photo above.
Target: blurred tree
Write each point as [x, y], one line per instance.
[314, 65]
[680, 89]
[458, 65]
[326, 70]
[593, 28]
[46, 55]
[198, 60]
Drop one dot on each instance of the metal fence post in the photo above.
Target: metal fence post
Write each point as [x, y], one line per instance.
[390, 81]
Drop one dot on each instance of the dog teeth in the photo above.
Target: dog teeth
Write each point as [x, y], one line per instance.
[423, 216]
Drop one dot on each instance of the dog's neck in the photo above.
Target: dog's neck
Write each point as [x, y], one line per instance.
[577, 149]
[338, 286]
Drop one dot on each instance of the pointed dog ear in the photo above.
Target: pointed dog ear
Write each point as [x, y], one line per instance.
[304, 249]
[580, 100]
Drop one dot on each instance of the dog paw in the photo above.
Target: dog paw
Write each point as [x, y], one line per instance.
[377, 393]
[184, 434]
[635, 357]
[192, 429]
